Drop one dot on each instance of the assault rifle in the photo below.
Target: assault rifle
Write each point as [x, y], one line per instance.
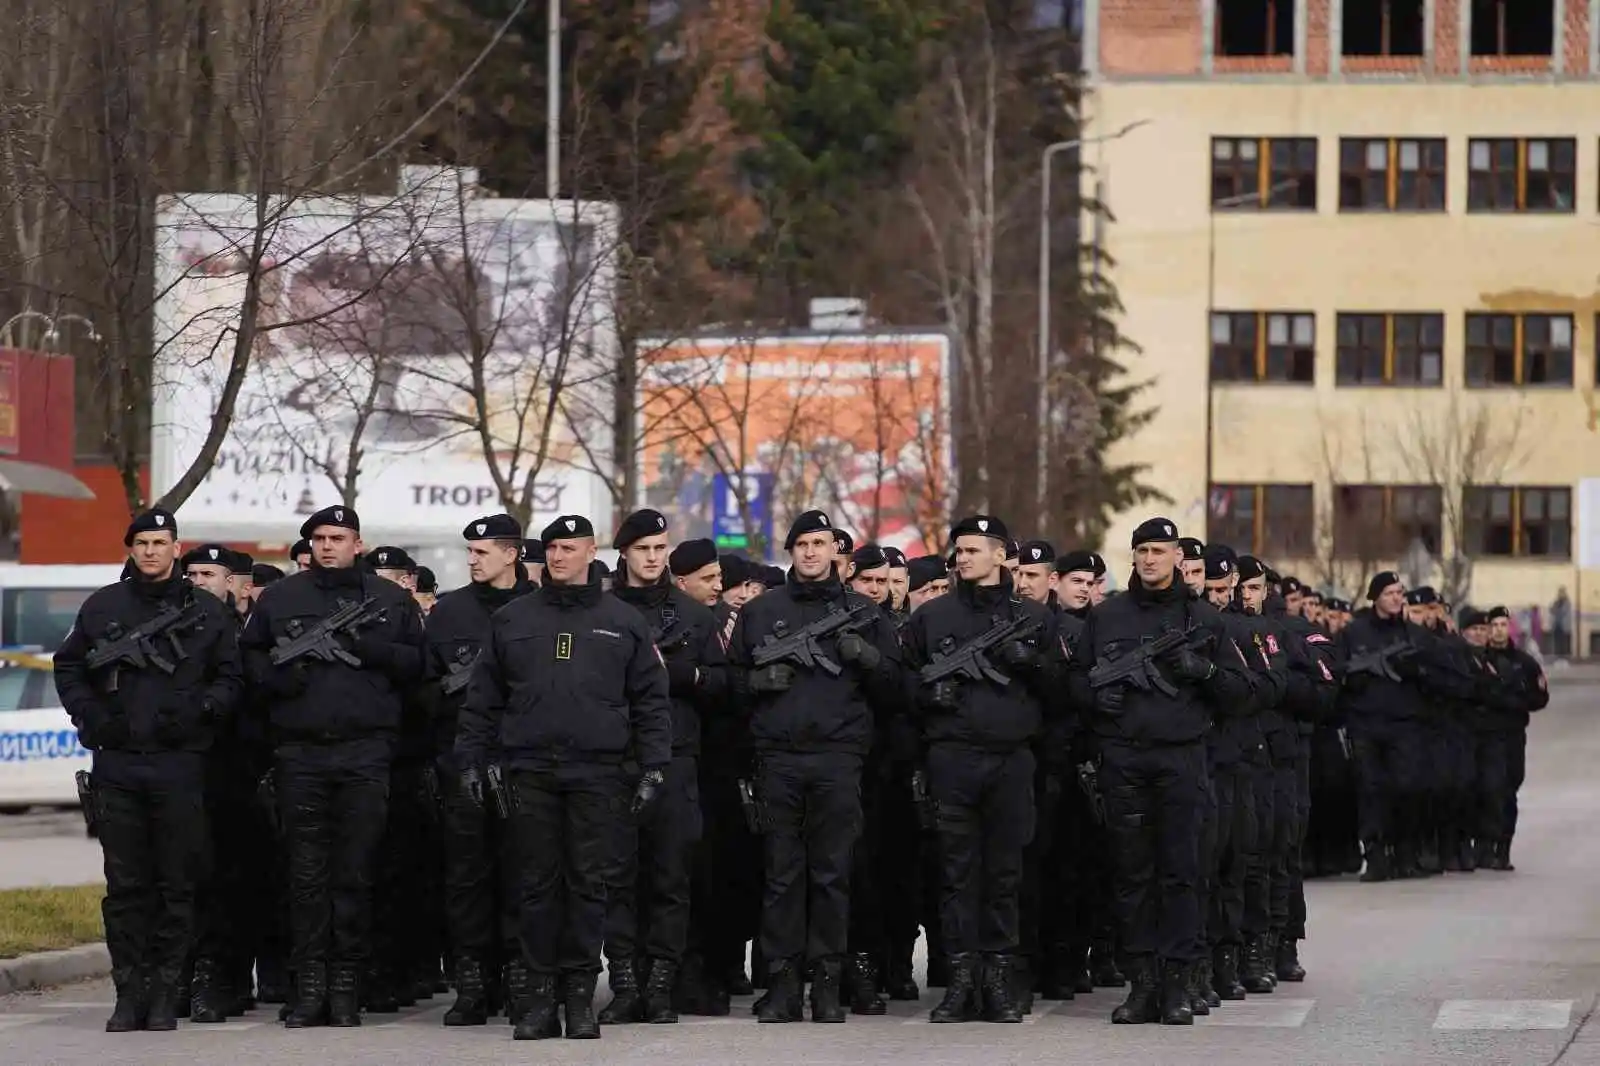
[801, 647]
[505, 800]
[460, 675]
[137, 647]
[971, 660]
[1379, 662]
[1138, 667]
[671, 636]
[317, 641]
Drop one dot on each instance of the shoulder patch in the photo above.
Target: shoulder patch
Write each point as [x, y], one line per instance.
[1316, 638]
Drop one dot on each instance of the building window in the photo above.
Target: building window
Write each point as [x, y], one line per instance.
[1267, 346]
[1252, 173]
[1513, 27]
[1255, 28]
[1519, 350]
[1267, 521]
[1377, 523]
[1382, 28]
[1391, 174]
[1518, 522]
[1510, 174]
[1406, 350]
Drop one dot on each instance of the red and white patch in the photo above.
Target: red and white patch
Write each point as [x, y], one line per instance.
[659, 657]
[1327, 675]
[1266, 662]
[1317, 638]
[1272, 644]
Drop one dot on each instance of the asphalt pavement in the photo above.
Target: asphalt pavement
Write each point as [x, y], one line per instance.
[1476, 969]
[47, 848]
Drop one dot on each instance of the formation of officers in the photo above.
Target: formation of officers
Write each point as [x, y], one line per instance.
[317, 789]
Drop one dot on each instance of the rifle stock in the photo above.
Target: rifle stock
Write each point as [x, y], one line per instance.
[801, 647]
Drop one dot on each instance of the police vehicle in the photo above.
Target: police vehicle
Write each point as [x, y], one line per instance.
[39, 749]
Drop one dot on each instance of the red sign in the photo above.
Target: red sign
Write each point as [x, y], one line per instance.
[10, 436]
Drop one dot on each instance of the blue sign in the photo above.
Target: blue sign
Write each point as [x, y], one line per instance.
[41, 744]
[728, 510]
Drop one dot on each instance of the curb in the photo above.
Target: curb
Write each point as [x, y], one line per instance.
[48, 968]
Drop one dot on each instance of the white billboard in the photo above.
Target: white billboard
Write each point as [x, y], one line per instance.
[424, 342]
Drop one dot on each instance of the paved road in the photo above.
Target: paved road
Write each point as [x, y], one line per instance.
[1454, 971]
[47, 849]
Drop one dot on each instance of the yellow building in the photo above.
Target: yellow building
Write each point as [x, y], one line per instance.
[1384, 269]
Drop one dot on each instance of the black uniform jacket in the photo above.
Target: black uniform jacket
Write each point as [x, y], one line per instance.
[819, 713]
[1365, 697]
[991, 717]
[1528, 689]
[569, 676]
[690, 641]
[315, 702]
[208, 670]
[457, 628]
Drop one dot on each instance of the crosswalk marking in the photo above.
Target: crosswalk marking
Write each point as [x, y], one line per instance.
[1506, 1014]
[1260, 1012]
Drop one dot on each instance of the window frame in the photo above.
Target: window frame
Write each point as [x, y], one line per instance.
[1477, 510]
[1429, 178]
[1267, 176]
[1473, 353]
[1392, 349]
[1520, 171]
[1265, 517]
[1261, 349]
[1394, 540]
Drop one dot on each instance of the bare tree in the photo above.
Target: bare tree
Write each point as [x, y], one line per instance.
[1348, 548]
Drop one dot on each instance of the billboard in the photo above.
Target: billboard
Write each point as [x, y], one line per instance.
[856, 424]
[410, 346]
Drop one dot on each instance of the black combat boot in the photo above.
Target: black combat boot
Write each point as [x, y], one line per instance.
[1208, 990]
[129, 1015]
[1257, 961]
[310, 997]
[519, 991]
[698, 992]
[1428, 855]
[207, 995]
[1197, 996]
[344, 995]
[626, 1005]
[1483, 854]
[1082, 981]
[1103, 969]
[938, 968]
[658, 1009]
[1467, 855]
[1021, 978]
[783, 1001]
[578, 996]
[1225, 974]
[241, 990]
[1176, 1008]
[539, 1018]
[899, 978]
[960, 992]
[827, 981]
[162, 995]
[1143, 1005]
[272, 981]
[1502, 855]
[472, 998]
[1288, 962]
[1377, 863]
[1057, 980]
[1000, 990]
[379, 994]
[861, 986]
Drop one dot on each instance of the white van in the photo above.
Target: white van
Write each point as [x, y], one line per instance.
[39, 749]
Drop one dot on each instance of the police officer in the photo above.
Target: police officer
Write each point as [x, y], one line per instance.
[149, 717]
[568, 692]
[1036, 576]
[926, 578]
[335, 726]
[1530, 692]
[426, 592]
[477, 911]
[533, 560]
[1152, 749]
[702, 583]
[979, 734]
[899, 579]
[811, 723]
[647, 898]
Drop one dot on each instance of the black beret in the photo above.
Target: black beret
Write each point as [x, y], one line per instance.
[1220, 562]
[690, 556]
[1272, 576]
[1081, 560]
[637, 526]
[773, 577]
[843, 543]
[1497, 612]
[735, 571]
[152, 521]
[1155, 530]
[896, 557]
[1192, 547]
[1036, 551]
[1471, 616]
[265, 574]
[207, 555]
[979, 525]
[388, 557]
[807, 522]
[869, 557]
[427, 580]
[950, 560]
[1291, 584]
[1380, 581]
[1013, 549]
[337, 515]
[301, 547]
[925, 568]
[1422, 597]
[1250, 568]
[567, 527]
[243, 563]
[493, 527]
[533, 552]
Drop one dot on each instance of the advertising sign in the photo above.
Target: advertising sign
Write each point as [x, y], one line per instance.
[10, 432]
[856, 424]
[404, 342]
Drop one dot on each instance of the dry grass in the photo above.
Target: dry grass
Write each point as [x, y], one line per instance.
[42, 919]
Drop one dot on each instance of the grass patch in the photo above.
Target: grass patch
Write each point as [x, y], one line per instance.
[43, 919]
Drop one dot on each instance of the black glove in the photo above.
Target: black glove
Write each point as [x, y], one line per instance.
[101, 730]
[945, 695]
[1190, 665]
[371, 649]
[854, 648]
[1019, 655]
[1108, 700]
[1409, 666]
[682, 676]
[472, 786]
[779, 677]
[644, 793]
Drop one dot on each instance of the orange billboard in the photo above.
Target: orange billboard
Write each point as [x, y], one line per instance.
[770, 426]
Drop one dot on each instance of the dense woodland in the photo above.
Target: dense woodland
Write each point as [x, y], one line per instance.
[760, 156]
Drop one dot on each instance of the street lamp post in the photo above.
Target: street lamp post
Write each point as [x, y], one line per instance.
[1042, 456]
[552, 104]
[24, 316]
